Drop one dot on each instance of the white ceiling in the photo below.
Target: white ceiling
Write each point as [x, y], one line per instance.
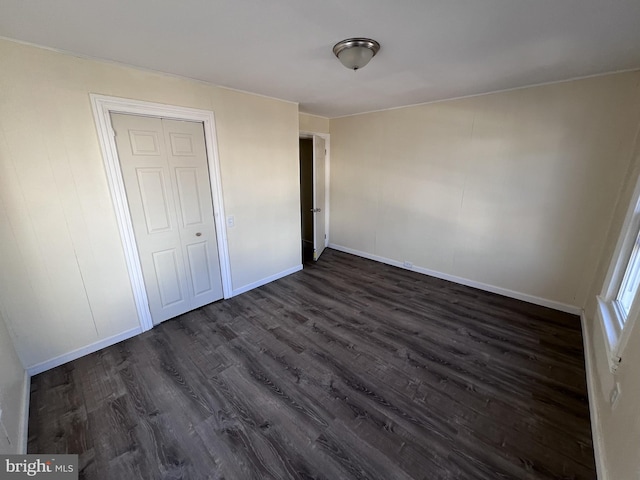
[431, 49]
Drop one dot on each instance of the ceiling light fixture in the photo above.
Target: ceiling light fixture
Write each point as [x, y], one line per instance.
[355, 53]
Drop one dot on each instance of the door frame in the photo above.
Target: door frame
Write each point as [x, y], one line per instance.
[327, 171]
[103, 106]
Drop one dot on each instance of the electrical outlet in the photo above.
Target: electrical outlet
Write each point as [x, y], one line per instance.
[5, 441]
[615, 395]
[231, 221]
[407, 265]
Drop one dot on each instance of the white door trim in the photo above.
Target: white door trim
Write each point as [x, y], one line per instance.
[102, 107]
[327, 171]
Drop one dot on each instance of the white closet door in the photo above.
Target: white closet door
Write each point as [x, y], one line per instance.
[165, 172]
[187, 158]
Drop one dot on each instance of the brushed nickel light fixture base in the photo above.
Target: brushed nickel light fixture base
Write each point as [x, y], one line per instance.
[355, 53]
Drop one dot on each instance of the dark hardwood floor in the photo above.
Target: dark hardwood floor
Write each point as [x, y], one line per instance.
[348, 369]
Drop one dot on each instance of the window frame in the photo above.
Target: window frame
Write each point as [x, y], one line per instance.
[615, 323]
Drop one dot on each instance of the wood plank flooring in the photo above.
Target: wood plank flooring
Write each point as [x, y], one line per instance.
[349, 369]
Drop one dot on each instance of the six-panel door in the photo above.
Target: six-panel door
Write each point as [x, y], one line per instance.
[166, 177]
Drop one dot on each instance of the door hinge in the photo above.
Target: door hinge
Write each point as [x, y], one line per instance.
[113, 133]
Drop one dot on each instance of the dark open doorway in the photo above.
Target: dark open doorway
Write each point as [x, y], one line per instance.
[306, 197]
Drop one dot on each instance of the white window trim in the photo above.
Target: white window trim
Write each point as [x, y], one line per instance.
[615, 326]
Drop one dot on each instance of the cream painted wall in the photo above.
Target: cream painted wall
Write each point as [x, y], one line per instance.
[64, 284]
[510, 190]
[619, 428]
[313, 123]
[12, 395]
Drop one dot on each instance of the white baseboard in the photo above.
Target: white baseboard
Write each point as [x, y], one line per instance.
[23, 435]
[94, 347]
[563, 307]
[598, 449]
[266, 280]
[81, 352]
